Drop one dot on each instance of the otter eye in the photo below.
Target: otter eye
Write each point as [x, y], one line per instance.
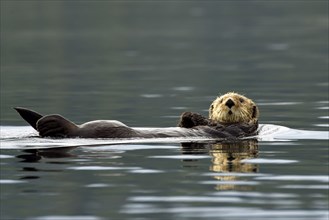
[241, 100]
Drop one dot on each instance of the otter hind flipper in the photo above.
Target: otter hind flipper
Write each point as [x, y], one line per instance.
[29, 116]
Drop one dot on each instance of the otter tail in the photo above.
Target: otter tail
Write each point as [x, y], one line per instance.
[30, 116]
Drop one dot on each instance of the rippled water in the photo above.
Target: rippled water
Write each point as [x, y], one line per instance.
[282, 179]
[144, 63]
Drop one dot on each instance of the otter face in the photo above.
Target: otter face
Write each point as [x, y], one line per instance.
[233, 108]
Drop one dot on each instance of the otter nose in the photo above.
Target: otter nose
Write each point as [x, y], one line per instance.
[229, 103]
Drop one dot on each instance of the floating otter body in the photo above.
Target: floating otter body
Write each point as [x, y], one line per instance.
[230, 116]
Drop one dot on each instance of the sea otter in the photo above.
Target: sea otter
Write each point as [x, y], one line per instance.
[230, 116]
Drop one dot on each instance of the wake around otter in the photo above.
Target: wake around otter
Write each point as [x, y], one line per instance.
[230, 116]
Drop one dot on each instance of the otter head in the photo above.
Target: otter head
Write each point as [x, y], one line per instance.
[233, 108]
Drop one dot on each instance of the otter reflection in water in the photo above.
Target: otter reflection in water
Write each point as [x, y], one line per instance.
[34, 155]
[227, 158]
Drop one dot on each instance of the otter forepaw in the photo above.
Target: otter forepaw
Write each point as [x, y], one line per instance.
[190, 119]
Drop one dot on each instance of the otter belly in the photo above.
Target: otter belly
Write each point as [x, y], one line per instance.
[170, 132]
[116, 129]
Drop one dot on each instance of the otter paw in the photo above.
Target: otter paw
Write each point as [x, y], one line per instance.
[190, 119]
[186, 120]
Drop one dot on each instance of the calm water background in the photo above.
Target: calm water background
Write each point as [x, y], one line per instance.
[144, 63]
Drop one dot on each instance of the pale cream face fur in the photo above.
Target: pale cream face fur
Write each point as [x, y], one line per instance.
[233, 108]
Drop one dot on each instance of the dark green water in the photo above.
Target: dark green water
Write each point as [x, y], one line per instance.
[144, 63]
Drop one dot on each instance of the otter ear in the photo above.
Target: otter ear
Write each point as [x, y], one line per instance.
[254, 112]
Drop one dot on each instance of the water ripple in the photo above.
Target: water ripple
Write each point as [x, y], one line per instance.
[97, 185]
[181, 157]
[3, 156]
[268, 161]
[7, 181]
[146, 171]
[305, 187]
[67, 217]
[255, 194]
[221, 182]
[230, 212]
[102, 168]
[317, 178]
[184, 199]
